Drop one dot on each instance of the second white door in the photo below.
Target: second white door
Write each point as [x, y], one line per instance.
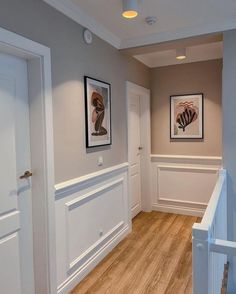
[16, 243]
[135, 153]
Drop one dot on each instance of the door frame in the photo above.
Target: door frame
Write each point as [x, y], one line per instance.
[42, 155]
[145, 135]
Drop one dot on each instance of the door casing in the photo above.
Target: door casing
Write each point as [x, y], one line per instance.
[42, 154]
[145, 136]
[135, 154]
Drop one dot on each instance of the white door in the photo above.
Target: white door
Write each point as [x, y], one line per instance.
[134, 153]
[16, 245]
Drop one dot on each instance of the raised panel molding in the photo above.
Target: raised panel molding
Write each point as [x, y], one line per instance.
[9, 223]
[10, 276]
[88, 266]
[87, 197]
[192, 181]
[75, 204]
[80, 260]
[85, 207]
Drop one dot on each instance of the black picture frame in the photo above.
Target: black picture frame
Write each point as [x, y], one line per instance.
[189, 103]
[97, 95]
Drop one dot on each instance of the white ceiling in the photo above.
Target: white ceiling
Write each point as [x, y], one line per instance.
[194, 54]
[176, 19]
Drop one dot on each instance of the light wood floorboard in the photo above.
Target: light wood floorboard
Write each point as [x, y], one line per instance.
[155, 258]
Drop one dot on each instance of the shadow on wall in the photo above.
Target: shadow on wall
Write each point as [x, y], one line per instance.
[98, 149]
[186, 140]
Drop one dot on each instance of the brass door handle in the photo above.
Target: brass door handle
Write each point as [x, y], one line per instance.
[26, 175]
[140, 148]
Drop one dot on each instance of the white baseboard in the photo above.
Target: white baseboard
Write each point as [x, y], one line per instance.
[84, 270]
[135, 210]
[178, 210]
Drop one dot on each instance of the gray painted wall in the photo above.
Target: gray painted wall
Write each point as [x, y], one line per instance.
[229, 137]
[71, 60]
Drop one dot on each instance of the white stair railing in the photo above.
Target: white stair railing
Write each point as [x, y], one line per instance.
[210, 245]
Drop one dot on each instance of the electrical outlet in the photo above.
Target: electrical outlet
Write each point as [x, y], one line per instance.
[100, 161]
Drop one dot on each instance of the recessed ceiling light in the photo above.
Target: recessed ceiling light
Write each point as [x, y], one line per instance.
[130, 8]
[181, 53]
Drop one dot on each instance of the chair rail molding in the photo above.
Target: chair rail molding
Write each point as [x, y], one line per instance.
[215, 160]
[185, 195]
[62, 189]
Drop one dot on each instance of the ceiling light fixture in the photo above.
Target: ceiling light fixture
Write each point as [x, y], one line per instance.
[181, 53]
[130, 8]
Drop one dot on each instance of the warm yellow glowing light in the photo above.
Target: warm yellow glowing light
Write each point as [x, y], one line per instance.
[181, 53]
[130, 14]
[181, 57]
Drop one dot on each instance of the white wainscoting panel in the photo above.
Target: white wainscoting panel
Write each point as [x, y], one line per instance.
[92, 217]
[183, 184]
[10, 273]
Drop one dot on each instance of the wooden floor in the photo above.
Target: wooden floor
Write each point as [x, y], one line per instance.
[154, 258]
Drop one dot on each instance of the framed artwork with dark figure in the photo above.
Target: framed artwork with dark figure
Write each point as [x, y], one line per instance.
[98, 112]
[186, 116]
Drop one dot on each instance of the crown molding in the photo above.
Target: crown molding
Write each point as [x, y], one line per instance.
[149, 62]
[206, 53]
[183, 33]
[78, 15]
[74, 12]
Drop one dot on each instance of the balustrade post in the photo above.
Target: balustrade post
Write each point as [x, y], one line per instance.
[201, 252]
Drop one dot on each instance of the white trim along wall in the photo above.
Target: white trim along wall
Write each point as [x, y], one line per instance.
[92, 217]
[183, 184]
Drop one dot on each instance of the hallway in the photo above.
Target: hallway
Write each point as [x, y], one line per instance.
[154, 258]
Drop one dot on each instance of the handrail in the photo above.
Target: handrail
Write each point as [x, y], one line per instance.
[223, 247]
[211, 248]
[216, 245]
[207, 266]
[212, 206]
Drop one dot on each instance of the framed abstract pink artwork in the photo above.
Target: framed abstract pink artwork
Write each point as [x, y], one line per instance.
[97, 112]
[186, 116]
